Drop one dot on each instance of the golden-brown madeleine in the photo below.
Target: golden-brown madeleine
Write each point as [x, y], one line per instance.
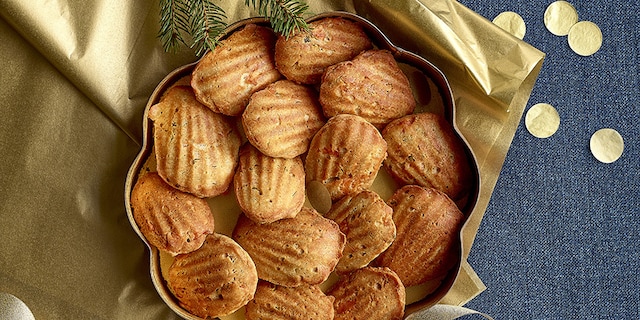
[367, 221]
[267, 188]
[196, 149]
[171, 220]
[294, 251]
[215, 280]
[345, 155]
[428, 230]
[304, 56]
[240, 65]
[424, 150]
[276, 302]
[281, 119]
[371, 86]
[369, 293]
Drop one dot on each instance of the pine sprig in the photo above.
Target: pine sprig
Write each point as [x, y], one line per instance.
[173, 24]
[207, 22]
[285, 16]
[198, 23]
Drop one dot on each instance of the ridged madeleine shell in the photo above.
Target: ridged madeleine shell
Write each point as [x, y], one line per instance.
[215, 280]
[369, 293]
[171, 220]
[345, 155]
[268, 188]
[428, 228]
[196, 149]
[240, 65]
[367, 221]
[304, 56]
[276, 302]
[281, 119]
[294, 251]
[372, 86]
[424, 150]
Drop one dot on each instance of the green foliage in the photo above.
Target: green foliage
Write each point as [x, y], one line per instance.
[285, 16]
[207, 22]
[198, 23]
[174, 22]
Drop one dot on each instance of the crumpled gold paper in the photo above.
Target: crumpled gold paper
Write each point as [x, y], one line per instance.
[75, 77]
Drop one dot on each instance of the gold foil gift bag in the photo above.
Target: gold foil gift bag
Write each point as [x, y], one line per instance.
[76, 77]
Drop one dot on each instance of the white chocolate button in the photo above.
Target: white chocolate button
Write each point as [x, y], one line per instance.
[13, 308]
[542, 120]
[606, 145]
[512, 23]
[559, 17]
[585, 38]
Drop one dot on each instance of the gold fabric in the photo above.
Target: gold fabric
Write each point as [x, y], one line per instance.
[75, 76]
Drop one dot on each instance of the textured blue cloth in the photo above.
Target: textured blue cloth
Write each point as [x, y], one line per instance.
[561, 236]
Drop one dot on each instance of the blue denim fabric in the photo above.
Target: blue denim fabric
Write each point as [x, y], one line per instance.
[561, 236]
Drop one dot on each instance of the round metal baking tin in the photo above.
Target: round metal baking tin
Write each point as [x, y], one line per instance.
[380, 41]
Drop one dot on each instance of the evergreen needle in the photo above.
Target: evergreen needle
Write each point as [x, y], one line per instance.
[198, 23]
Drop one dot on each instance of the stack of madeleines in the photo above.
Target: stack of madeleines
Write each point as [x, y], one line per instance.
[321, 106]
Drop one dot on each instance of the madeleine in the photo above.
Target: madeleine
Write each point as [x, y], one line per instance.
[345, 155]
[304, 56]
[294, 251]
[371, 86]
[281, 119]
[226, 77]
[196, 149]
[423, 149]
[369, 293]
[367, 221]
[428, 229]
[171, 220]
[269, 189]
[215, 280]
[276, 302]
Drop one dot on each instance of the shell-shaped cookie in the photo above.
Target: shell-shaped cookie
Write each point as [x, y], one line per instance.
[171, 220]
[304, 56]
[240, 65]
[372, 86]
[196, 149]
[276, 302]
[215, 280]
[428, 229]
[345, 155]
[294, 251]
[267, 188]
[424, 150]
[367, 221]
[369, 293]
[281, 119]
